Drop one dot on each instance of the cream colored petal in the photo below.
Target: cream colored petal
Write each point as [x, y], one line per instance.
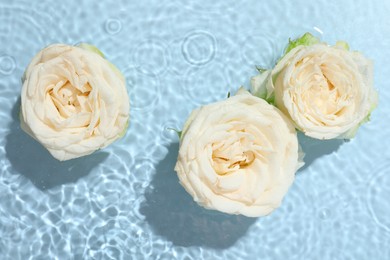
[221, 139]
[61, 109]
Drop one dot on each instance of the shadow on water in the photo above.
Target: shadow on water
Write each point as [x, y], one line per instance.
[314, 148]
[173, 214]
[32, 160]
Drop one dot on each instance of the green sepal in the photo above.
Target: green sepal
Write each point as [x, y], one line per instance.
[306, 40]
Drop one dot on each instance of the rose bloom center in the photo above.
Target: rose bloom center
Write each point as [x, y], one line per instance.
[70, 100]
[322, 92]
[233, 153]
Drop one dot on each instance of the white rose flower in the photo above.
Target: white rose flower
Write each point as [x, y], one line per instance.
[73, 101]
[327, 91]
[238, 156]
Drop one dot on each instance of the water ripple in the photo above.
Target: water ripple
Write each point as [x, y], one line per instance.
[260, 49]
[7, 64]
[199, 47]
[288, 230]
[378, 193]
[144, 89]
[113, 26]
[125, 201]
[151, 56]
[207, 6]
[203, 87]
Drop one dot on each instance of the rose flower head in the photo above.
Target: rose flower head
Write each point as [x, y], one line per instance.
[327, 91]
[73, 101]
[238, 156]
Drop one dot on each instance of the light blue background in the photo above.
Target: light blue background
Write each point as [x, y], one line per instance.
[125, 202]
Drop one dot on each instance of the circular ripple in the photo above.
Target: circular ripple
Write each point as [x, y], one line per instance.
[113, 26]
[151, 57]
[7, 64]
[378, 194]
[18, 23]
[199, 48]
[143, 89]
[260, 49]
[204, 87]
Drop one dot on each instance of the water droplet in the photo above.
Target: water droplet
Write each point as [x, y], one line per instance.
[324, 214]
[113, 26]
[7, 64]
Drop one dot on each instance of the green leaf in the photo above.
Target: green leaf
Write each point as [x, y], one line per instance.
[307, 39]
[178, 132]
[260, 69]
